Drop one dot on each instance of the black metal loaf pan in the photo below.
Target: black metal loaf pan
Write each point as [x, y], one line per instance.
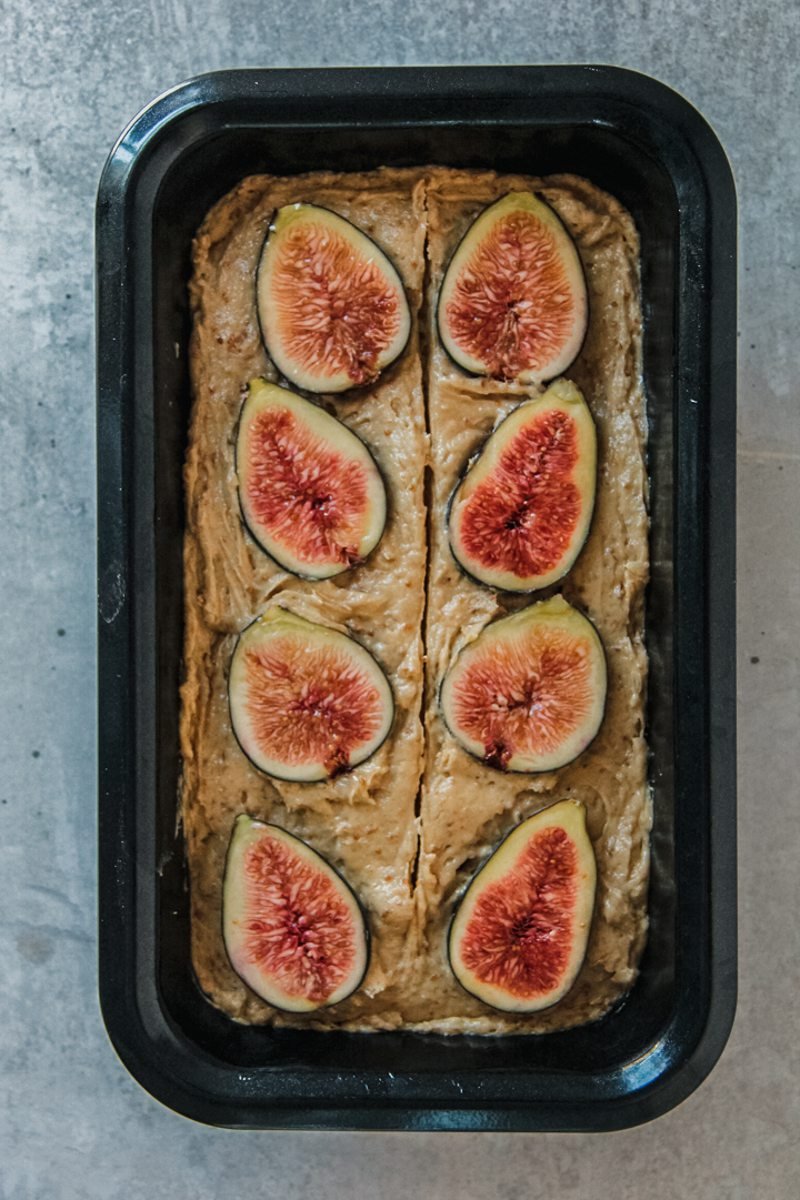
[653, 151]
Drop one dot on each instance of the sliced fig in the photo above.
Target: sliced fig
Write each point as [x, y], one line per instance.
[513, 300]
[528, 694]
[518, 938]
[307, 702]
[521, 514]
[332, 307]
[293, 928]
[310, 491]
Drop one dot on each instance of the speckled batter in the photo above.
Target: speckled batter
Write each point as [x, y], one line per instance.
[408, 827]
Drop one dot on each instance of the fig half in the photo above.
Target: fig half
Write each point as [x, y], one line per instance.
[521, 514]
[518, 938]
[332, 308]
[306, 702]
[293, 928]
[528, 694]
[310, 492]
[513, 301]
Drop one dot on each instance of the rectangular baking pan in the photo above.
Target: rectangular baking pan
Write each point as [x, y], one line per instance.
[652, 150]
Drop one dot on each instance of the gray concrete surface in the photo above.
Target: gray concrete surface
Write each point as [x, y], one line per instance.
[74, 1125]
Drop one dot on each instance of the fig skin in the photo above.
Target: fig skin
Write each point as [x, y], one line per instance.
[574, 277]
[499, 868]
[279, 620]
[554, 612]
[247, 832]
[562, 395]
[339, 439]
[369, 252]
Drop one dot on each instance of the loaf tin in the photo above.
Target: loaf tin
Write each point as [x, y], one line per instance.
[654, 152]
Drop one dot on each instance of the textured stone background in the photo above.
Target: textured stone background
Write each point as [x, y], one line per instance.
[73, 1123]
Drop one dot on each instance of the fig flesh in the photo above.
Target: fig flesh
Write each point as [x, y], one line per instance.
[518, 938]
[520, 515]
[306, 702]
[310, 492]
[528, 694]
[293, 928]
[331, 305]
[513, 301]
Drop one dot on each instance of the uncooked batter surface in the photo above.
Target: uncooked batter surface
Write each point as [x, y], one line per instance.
[408, 827]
